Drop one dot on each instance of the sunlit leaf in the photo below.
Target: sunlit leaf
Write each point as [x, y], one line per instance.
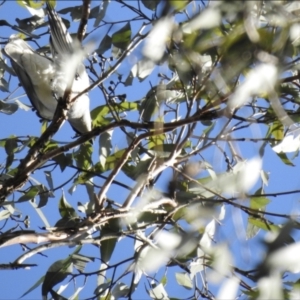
[262, 224]
[259, 203]
[156, 41]
[158, 292]
[184, 280]
[105, 147]
[229, 289]
[8, 108]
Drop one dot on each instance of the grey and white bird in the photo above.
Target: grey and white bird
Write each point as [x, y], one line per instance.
[45, 79]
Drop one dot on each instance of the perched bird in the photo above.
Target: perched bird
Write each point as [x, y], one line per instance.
[45, 79]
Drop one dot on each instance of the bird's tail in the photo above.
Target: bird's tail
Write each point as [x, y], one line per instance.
[61, 42]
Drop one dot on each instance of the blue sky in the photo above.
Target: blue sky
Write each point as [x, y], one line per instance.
[245, 252]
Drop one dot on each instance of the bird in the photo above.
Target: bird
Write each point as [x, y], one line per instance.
[45, 79]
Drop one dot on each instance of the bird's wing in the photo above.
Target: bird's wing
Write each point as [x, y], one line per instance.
[22, 57]
[41, 110]
[68, 56]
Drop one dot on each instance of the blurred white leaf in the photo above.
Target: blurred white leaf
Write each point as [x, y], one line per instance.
[245, 175]
[293, 7]
[156, 41]
[270, 287]
[159, 292]
[221, 265]
[285, 259]
[229, 289]
[152, 257]
[208, 235]
[249, 174]
[22, 105]
[222, 213]
[290, 143]
[209, 18]
[295, 34]
[261, 79]
[105, 146]
[36, 12]
[168, 241]
[196, 267]
[142, 68]
[205, 62]
[294, 293]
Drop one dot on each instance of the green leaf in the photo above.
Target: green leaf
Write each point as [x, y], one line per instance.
[10, 148]
[83, 156]
[10, 145]
[44, 195]
[150, 4]
[108, 246]
[32, 3]
[51, 145]
[259, 203]
[44, 126]
[65, 223]
[277, 130]
[57, 272]
[141, 168]
[156, 142]
[64, 160]
[38, 283]
[149, 105]
[184, 280]
[112, 160]
[164, 280]
[80, 261]
[122, 37]
[263, 224]
[98, 114]
[179, 4]
[65, 209]
[104, 45]
[285, 159]
[32, 192]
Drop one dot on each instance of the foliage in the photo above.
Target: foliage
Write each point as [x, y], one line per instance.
[180, 90]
